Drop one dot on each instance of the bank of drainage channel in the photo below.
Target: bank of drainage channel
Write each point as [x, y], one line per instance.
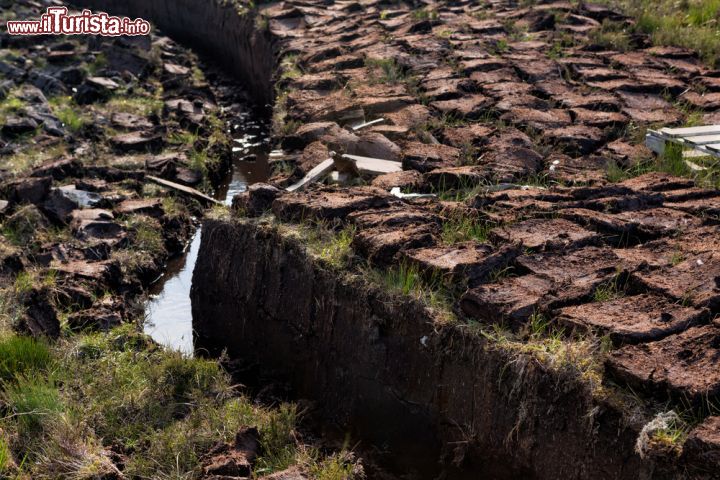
[168, 313]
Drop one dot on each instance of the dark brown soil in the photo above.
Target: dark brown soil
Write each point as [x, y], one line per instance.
[514, 116]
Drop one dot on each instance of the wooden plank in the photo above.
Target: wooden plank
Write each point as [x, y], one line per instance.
[314, 175]
[703, 139]
[691, 131]
[183, 189]
[700, 151]
[396, 192]
[374, 166]
[368, 124]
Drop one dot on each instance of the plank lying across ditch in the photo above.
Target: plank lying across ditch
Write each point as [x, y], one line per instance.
[701, 140]
[184, 189]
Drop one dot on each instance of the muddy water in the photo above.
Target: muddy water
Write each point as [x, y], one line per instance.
[250, 157]
[168, 315]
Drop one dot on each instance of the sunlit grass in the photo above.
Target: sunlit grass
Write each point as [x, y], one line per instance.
[692, 24]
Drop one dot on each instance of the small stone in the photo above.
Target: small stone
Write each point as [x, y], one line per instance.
[15, 126]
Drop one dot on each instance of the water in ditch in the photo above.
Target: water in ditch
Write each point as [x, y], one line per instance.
[168, 314]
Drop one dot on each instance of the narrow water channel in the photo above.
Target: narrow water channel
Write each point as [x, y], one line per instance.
[168, 313]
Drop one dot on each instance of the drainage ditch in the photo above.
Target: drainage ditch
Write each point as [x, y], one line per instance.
[168, 310]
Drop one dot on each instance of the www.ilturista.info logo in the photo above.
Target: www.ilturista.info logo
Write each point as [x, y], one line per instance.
[57, 21]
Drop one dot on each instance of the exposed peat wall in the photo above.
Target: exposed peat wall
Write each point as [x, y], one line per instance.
[377, 364]
[214, 27]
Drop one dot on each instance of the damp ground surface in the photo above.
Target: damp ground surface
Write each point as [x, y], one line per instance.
[86, 126]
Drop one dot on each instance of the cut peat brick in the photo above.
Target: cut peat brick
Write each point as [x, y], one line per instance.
[655, 254]
[512, 300]
[328, 204]
[380, 245]
[657, 182]
[600, 221]
[684, 366]
[423, 158]
[99, 273]
[695, 280]
[575, 274]
[702, 447]
[392, 217]
[468, 262]
[629, 320]
[700, 206]
[540, 233]
[654, 222]
[455, 177]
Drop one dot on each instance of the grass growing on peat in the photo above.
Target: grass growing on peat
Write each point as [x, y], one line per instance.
[71, 406]
[691, 24]
[69, 113]
[22, 356]
[462, 228]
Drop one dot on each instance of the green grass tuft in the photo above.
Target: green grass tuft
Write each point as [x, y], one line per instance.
[405, 279]
[423, 14]
[385, 70]
[147, 234]
[277, 438]
[136, 105]
[610, 290]
[462, 228]
[69, 113]
[33, 401]
[5, 455]
[672, 161]
[24, 226]
[21, 356]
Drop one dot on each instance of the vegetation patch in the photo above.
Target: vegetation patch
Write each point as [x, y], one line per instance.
[138, 105]
[423, 14]
[69, 113]
[407, 279]
[385, 70]
[116, 393]
[22, 356]
[691, 24]
[461, 228]
[32, 156]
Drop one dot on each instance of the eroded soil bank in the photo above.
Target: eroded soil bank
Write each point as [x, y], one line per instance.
[380, 364]
[222, 30]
